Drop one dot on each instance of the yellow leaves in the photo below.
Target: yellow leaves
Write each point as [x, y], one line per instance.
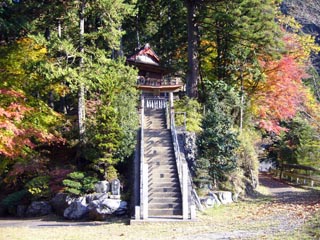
[298, 44]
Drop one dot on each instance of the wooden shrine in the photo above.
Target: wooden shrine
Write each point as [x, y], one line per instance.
[153, 79]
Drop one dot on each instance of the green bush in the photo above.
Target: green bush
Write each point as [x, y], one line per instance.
[88, 184]
[111, 173]
[14, 198]
[39, 187]
[76, 175]
[78, 183]
[248, 156]
[192, 108]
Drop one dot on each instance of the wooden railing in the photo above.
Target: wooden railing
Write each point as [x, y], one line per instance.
[147, 81]
[155, 103]
[298, 173]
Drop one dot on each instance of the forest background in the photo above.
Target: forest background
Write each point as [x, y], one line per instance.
[68, 103]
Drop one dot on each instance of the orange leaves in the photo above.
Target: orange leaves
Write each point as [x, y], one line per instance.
[281, 95]
[15, 130]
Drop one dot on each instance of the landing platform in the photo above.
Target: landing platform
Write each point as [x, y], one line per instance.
[166, 219]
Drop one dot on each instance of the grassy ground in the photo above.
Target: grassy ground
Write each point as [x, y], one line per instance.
[259, 218]
[234, 220]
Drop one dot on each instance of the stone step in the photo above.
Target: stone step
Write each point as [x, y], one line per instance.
[164, 212]
[165, 200]
[158, 140]
[156, 118]
[160, 176]
[176, 194]
[164, 154]
[164, 163]
[147, 112]
[158, 150]
[165, 158]
[156, 133]
[170, 175]
[164, 189]
[157, 161]
[154, 126]
[164, 205]
[158, 147]
[155, 167]
[169, 172]
[164, 184]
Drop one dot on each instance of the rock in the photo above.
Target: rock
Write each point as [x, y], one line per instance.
[78, 209]
[190, 149]
[59, 203]
[38, 208]
[266, 165]
[21, 210]
[235, 197]
[103, 208]
[123, 208]
[225, 197]
[214, 199]
[102, 187]
[211, 200]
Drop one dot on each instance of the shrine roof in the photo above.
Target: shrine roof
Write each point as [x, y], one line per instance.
[146, 59]
[145, 55]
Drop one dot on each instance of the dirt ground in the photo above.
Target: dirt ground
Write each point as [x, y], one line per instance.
[289, 208]
[279, 213]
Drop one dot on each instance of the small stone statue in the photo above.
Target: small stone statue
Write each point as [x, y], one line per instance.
[115, 187]
[102, 187]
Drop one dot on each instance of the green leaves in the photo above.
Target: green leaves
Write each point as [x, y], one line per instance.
[79, 183]
[218, 141]
[192, 109]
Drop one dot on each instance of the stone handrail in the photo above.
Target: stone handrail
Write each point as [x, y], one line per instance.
[183, 170]
[143, 170]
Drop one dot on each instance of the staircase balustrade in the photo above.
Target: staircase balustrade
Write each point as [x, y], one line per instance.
[143, 170]
[156, 103]
[182, 167]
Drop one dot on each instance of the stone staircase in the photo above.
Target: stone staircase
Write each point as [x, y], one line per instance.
[164, 189]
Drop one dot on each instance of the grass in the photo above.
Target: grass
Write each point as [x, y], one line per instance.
[220, 219]
[252, 217]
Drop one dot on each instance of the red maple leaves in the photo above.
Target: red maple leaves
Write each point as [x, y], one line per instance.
[16, 132]
[281, 95]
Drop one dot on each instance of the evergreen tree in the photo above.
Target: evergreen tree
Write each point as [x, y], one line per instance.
[218, 142]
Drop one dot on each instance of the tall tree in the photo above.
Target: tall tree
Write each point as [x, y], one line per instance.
[193, 71]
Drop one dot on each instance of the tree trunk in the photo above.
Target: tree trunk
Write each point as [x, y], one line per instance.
[81, 93]
[193, 74]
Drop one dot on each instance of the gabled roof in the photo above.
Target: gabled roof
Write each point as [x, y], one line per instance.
[145, 55]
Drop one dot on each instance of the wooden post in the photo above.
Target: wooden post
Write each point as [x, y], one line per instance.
[171, 108]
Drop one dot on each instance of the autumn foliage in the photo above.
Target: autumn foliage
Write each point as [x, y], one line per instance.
[17, 134]
[279, 98]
